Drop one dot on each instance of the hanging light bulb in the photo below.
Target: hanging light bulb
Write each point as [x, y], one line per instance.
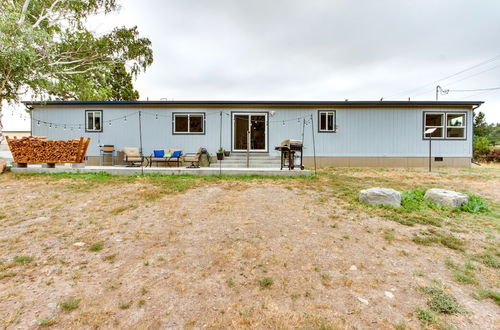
[156, 116]
[283, 123]
[110, 123]
[55, 126]
[38, 123]
[64, 127]
[125, 119]
[50, 125]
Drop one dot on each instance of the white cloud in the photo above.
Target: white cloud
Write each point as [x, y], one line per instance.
[314, 50]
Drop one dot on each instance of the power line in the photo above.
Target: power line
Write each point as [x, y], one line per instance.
[448, 77]
[474, 90]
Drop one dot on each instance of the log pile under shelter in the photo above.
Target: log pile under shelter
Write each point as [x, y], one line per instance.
[35, 150]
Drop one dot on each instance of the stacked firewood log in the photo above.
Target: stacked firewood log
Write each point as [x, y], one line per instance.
[41, 150]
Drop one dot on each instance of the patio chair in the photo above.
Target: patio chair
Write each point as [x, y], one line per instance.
[176, 157]
[193, 158]
[132, 156]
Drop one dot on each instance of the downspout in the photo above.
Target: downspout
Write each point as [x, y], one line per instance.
[472, 160]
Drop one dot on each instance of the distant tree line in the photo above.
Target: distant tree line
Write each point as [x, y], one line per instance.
[486, 139]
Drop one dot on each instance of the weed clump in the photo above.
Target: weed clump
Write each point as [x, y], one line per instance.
[433, 236]
[489, 259]
[483, 293]
[441, 302]
[23, 259]
[70, 304]
[425, 316]
[96, 247]
[266, 282]
[475, 205]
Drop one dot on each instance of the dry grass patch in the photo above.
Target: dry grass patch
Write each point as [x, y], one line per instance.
[241, 252]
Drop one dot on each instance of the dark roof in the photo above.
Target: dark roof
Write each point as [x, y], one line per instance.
[259, 103]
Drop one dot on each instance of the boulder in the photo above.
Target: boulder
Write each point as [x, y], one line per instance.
[3, 166]
[448, 198]
[380, 196]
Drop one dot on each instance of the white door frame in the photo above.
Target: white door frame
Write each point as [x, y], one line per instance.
[233, 131]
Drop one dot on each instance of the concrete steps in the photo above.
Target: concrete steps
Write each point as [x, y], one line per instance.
[256, 161]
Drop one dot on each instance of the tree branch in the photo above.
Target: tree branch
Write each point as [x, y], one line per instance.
[23, 12]
[46, 15]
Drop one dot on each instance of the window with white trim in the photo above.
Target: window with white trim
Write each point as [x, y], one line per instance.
[189, 123]
[327, 121]
[448, 125]
[455, 125]
[93, 120]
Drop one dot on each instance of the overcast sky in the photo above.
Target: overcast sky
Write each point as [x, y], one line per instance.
[316, 50]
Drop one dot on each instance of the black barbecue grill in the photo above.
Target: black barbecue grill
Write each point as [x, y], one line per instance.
[289, 149]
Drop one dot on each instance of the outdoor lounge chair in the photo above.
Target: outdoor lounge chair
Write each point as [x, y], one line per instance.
[132, 156]
[166, 156]
[193, 158]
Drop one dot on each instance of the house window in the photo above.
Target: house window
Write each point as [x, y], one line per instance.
[455, 125]
[93, 120]
[189, 123]
[448, 125]
[434, 120]
[327, 120]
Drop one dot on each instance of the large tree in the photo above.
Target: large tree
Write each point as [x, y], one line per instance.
[47, 50]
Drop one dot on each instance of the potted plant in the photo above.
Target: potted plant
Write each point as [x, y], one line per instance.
[220, 154]
[227, 153]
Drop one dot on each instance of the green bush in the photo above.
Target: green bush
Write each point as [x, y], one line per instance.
[412, 200]
[475, 205]
[441, 302]
[482, 146]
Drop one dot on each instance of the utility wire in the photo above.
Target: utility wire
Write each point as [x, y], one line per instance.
[474, 90]
[497, 57]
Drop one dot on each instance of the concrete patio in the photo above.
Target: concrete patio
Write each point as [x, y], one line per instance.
[122, 170]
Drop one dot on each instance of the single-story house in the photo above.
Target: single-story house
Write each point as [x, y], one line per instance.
[339, 133]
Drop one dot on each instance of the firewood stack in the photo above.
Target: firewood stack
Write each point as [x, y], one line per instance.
[35, 150]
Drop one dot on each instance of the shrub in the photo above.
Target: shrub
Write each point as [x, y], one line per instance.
[481, 146]
[96, 247]
[475, 205]
[70, 304]
[266, 282]
[412, 200]
[441, 302]
[425, 316]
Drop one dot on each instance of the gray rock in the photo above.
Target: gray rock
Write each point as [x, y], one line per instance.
[380, 196]
[448, 198]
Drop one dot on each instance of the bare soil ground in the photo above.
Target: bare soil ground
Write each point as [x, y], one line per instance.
[237, 253]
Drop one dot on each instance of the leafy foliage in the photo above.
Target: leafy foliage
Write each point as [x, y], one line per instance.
[475, 205]
[46, 48]
[482, 146]
[441, 302]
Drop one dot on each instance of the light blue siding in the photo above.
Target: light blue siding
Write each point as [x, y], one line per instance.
[377, 132]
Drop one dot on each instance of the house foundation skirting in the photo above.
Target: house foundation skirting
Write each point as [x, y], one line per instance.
[323, 161]
[328, 161]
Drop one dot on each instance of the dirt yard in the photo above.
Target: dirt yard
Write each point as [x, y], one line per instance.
[83, 252]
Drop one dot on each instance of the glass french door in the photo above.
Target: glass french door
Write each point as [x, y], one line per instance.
[256, 125]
